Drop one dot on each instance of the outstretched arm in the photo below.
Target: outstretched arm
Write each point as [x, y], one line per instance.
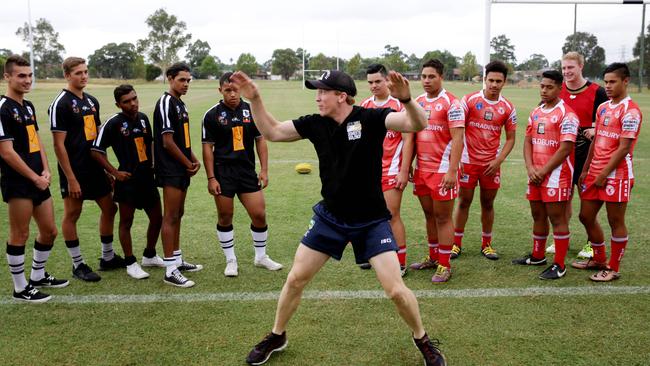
[414, 118]
[269, 127]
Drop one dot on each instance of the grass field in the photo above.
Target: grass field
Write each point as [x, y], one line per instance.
[519, 320]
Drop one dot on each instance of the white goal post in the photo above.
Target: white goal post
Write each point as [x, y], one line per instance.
[488, 20]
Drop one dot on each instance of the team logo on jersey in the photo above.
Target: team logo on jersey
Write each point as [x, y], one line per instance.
[438, 107]
[572, 96]
[606, 121]
[551, 192]
[488, 115]
[75, 107]
[540, 128]
[354, 130]
[479, 106]
[442, 191]
[222, 118]
[464, 178]
[144, 126]
[501, 110]
[124, 129]
[535, 117]
[92, 106]
[16, 115]
[31, 112]
[178, 109]
[421, 104]
[497, 179]
[554, 119]
[602, 111]
[246, 114]
[610, 190]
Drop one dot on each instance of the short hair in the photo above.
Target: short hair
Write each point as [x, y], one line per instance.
[436, 64]
[575, 56]
[497, 66]
[70, 63]
[14, 60]
[174, 69]
[121, 91]
[377, 68]
[348, 100]
[225, 78]
[619, 68]
[554, 75]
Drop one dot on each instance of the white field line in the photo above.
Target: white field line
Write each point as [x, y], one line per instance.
[344, 295]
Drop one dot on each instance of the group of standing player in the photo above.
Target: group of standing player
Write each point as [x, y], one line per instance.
[85, 173]
[461, 148]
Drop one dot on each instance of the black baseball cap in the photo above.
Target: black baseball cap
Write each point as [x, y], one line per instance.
[334, 80]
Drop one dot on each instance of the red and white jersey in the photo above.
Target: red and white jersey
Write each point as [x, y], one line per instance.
[613, 122]
[433, 144]
[547, 129]
[391, 161]
[484, 121]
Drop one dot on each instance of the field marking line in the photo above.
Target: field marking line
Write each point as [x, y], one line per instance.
[344, 295]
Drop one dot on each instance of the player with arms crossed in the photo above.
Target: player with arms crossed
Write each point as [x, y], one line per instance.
[74, 118]
[608, 176]
[438, 149]
[24, 181]
[548, 154]
[348, 141]
[396, 161]
[129, 134]
[229, 137]
[487, 113]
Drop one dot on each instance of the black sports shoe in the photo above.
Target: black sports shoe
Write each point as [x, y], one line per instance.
[263, 350]
[553, 272]
[31, 294]
[177, 279]
[529, 260]
[430, 351]
[49, 281]
[365, 266]
[85, 273]
[189, 267]
[115, 263]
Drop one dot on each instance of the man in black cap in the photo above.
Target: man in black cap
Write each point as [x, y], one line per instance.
[348, 141]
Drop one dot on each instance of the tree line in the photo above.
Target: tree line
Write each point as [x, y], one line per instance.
[150, 56]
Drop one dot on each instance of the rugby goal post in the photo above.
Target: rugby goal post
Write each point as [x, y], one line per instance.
[488, 20]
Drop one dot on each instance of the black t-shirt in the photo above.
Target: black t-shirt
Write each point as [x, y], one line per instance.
[18, 124]
[232, 132]
[170, 116]
[79, 119]
[130, 140]
[349, 158]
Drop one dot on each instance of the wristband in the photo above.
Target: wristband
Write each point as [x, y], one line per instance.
[211, 178]
[404, 101]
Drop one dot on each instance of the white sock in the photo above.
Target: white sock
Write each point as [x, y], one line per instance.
[107, 247]
[16, 260]
[170, 265]
[178, 256]
[260, 235]
[226, 235]
[41, 254]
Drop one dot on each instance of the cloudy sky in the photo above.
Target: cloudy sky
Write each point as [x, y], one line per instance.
[342, 27]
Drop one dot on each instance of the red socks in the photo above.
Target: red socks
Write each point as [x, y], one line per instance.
[458, 237]
[444, 254]
[539, 245]
[618, 249]
[433, 250]
[599, 252]
[486, 240]
[561, 247]
[401, 255]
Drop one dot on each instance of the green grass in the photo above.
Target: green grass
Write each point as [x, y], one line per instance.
[530, 330]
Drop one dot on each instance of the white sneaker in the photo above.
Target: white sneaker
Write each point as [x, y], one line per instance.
[586, 252]
[268, 263]
[155, 261]
[231, 268]
[134, 270]
[551, 249]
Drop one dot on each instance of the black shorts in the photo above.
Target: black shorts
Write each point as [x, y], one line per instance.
[581, 152]
[28, 191]
[235, 179]
[181, 182]
[94, 185]
[140, 191]
[328, 235]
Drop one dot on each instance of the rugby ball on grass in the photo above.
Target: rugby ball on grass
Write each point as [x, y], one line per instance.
[303, 168]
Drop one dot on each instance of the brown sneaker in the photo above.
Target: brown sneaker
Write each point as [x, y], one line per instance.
[605, 275]
[430, 351]
[426, 263]
[443, 274]
[588, 264]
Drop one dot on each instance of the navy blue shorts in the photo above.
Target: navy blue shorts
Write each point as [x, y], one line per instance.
[329, 235]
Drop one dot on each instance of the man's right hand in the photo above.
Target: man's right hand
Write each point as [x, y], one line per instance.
[121, 176]
[41, 182]
[245, 85]
[214, 187]
[74, 189]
